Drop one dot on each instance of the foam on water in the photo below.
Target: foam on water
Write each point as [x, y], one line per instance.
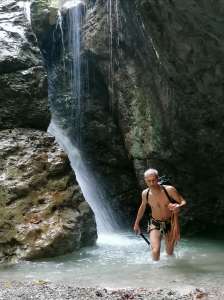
[123, 260]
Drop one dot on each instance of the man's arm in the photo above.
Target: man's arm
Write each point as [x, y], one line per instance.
[140, 213]
[177, 197]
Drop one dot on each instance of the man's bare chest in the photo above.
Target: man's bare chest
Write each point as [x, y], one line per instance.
[158, 201]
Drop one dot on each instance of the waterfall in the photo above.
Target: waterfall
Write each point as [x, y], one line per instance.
[26, 8]
[87, 178]
[59, 23]
[90, 188]
[76, 19]
[113, 20]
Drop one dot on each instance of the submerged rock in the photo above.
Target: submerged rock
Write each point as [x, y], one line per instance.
[42, 211]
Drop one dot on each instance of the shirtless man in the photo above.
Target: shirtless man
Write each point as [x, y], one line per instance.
[164, 221]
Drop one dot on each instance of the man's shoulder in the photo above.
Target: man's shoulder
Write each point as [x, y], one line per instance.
[169, 187]
[145, 191]
[145, 194]
[171, 190]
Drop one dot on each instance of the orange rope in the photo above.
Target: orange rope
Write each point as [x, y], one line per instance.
[174, 234]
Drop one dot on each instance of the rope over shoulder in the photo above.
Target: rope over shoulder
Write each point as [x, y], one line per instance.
[173, 236]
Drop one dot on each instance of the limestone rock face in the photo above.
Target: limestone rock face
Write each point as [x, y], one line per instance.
[167, 68]
[154, 99]
[187, 41]
[23, 80]
[42, 211]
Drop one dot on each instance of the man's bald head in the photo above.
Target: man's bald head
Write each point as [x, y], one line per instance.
[151, 172]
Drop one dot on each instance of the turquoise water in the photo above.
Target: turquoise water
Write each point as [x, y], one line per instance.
[123, 260]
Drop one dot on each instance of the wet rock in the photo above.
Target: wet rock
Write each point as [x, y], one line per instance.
[23, 79]
[167, 61]
[43, 213]
[186, 103]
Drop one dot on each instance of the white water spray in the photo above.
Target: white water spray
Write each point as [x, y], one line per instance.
[106, 223]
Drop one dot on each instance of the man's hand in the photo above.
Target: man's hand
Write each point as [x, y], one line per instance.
[137, 229]
[174, 207]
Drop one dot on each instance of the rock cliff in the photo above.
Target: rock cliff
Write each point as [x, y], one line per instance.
[167, 69]
[23, 80]
[155, 95]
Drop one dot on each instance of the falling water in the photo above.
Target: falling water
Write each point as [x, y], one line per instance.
[91, 189]
[87, 179]
[111, 67]
[59, 24]
[76, 19]
[113, 20]
[112, 6]
[26, 6]
[118, 22]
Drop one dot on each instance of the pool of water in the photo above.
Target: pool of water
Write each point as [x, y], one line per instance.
[123, 260]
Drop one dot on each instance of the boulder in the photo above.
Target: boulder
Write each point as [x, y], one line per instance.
[42, 210]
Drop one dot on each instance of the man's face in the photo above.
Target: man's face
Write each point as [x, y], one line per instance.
[151, 180]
